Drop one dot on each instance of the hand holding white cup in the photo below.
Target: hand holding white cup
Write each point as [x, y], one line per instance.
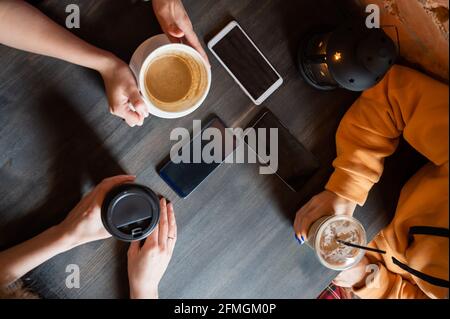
[174, 79]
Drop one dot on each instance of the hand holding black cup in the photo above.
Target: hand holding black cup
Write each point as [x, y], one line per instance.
[130, 212]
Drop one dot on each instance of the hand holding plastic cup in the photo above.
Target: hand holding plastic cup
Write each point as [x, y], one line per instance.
[326, 237]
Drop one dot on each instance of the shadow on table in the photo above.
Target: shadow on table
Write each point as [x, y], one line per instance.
[383, 198]
[117, 26]
[227, 18]
[78, 160]
[78, 152]
[300, 17]
[104, 24]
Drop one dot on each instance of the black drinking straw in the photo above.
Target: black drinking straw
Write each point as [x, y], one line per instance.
[346, 243]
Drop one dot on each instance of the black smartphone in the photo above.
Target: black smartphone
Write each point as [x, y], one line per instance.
[184, 177]
[296, 164]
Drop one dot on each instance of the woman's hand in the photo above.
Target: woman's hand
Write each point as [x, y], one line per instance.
[124, 98]
[147, 264]
[24, 27]
[325, 203]
[176, 24]
[353, 277]
[84, 223]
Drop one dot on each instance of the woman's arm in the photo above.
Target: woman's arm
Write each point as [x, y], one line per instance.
[82, 225]
[25, 28]
[17, 261]
[406, 103]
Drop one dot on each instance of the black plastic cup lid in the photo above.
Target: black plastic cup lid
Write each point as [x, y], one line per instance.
[130, 212]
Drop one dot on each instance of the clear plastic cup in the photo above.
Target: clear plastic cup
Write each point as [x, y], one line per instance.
[323, 236]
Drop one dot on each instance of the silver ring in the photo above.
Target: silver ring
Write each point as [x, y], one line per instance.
[170, 237]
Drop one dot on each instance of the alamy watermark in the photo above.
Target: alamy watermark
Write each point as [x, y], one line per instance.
[373, 17]
[372, 280]
[73, 279]
[73, 19]
[214, 145]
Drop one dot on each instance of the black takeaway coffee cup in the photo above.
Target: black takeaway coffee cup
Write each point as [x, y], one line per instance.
[130, 212]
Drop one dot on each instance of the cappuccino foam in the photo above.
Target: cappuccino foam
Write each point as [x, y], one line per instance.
[175, 81]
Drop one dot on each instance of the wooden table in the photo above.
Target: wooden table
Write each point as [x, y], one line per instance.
[57, 139]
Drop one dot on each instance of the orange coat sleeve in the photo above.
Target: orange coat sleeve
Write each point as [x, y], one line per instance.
[404, 102]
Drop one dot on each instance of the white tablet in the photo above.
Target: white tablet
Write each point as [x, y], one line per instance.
[244, 61]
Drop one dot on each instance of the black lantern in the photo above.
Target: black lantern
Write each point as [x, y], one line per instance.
[354, 58]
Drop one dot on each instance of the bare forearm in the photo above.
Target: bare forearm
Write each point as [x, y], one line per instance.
[24, 27]
[19, 260]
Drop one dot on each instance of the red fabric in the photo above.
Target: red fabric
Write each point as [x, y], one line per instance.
[334, 292]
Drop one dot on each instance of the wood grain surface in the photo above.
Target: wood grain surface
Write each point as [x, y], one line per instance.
[57, 139]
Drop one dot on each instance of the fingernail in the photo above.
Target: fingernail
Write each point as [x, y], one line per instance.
[300, 240]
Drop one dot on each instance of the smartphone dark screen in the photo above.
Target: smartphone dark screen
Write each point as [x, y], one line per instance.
[183, 178]
[245, 62]
[296, 164]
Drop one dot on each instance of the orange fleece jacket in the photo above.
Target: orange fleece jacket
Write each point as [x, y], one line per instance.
[409, 103]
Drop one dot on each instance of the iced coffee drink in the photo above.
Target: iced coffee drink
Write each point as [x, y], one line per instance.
[325, 234]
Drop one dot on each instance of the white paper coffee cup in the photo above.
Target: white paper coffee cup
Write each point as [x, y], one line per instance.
[153, 48]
